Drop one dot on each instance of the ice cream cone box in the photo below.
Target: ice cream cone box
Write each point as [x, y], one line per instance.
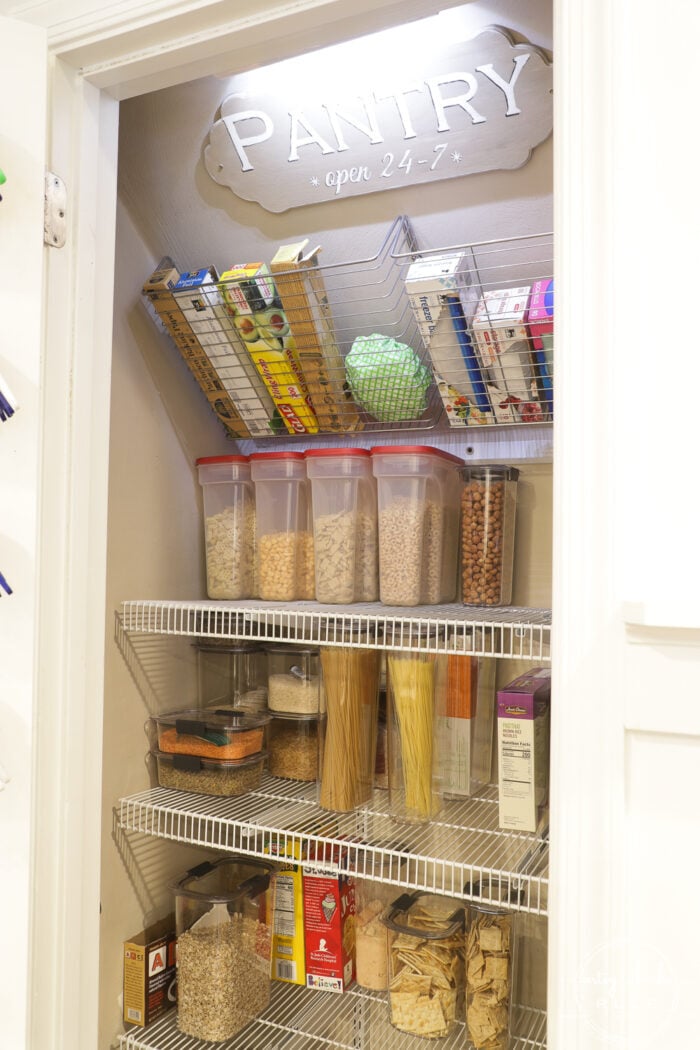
[149, 973]
[329, 928]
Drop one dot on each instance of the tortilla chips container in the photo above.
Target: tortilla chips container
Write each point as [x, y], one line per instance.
[426, 964]
[489, 962]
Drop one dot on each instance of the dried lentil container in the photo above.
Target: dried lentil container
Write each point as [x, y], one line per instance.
[418, 524]
[231, 674]
[284, 534]
[224, 925]
[488, 507]
[344, 504]
[213, 733]
[293, 746]
[229, 525]
[294, 683]
[426, 964]
[490, 970]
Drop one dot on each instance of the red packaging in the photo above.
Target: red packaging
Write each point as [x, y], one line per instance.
[329, 929]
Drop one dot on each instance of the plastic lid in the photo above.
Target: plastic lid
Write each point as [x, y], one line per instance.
[293, 716]
[221, 459]
[425, 915]
[193, 763]
[291, 649]
[336, 452]
[486, 470]
[419, 450]
[225, 880]
[213, 720]
[276, 455]
[226, 645]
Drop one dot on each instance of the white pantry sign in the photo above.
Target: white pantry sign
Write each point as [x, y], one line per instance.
[289, 135]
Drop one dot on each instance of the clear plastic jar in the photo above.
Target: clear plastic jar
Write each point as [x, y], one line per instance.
[293, 746]
[284, 535]
[489, 968]
[205, 777]
[487, 530]
[294, 684]
[231, 674]
[229, 525]
[373, 896]
[466, 720]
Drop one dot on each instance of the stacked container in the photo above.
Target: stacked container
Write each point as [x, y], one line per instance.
[296, 702]
[284, 536]
[231, 674]
[488, 505]
[211, 752]
[224, 925]
[418, 503]
[229, 525]
[344, 501]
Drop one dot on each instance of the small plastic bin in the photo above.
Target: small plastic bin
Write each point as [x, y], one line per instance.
[229, 525]
[293, 747]
[418, 503]
[224, 925]
[426, 964]
[490, 959]
[207, 777]
[284, 533]
[294, 682]
[344, 504]
[211, 733]
[231, 674]
[488, 505]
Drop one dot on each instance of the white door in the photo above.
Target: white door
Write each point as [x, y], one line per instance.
[23, 54]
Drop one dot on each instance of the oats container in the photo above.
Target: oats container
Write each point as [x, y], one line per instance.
[284, 535]
[229, 525]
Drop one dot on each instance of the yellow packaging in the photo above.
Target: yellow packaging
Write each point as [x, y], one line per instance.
[251, 296]
[287, 957]
[149, 973]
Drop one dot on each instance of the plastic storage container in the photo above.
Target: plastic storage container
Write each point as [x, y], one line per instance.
[489, 969]
[415, 695]
[349, 731]
[284, 536]
[293, 746]
[294, 680]
[223, 923]
[466, 721]
[211, 733]
[488, 504]
[426, 964]
[373, 898]
[418, 522]
[207, 777]
[231, 674]
[344, 504]
[229, 525]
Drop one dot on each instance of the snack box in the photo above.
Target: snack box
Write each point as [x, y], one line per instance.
[503, 346]
[288, 958]
[540, 323]
[251, 297]
[329, 928]
[523, 750]
[149, 973]
[211, 733]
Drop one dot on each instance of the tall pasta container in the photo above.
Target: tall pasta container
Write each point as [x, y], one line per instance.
[344, 503]
[348, 734]
[416, 683]
[223, 922]
[229, 525]
[488, 505]
[284, 537]
[490, 971]
[426, 964]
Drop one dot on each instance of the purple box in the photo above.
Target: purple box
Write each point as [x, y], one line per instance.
[523, 751]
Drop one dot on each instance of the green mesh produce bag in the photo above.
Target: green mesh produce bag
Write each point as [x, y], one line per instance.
[387, 378]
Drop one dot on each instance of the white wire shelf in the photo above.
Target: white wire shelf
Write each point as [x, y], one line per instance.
[298, 1019]
[462, 846]
[503, 632]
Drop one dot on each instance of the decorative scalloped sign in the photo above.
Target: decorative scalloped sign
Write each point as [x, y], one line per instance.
[475, 106]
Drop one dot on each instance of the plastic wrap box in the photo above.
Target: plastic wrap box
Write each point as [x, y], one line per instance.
[149, 973]
[523, 751]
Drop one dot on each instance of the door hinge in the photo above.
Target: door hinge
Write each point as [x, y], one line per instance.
[54, 210]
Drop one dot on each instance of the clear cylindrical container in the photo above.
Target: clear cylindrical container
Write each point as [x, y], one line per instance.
[206, 777]
[229, 525]
[418, 524]
[294, 683]
[223, 924]
[293, 742]
[466, 718]
[416, 683]
[490, 970]
[349, 731]
[211, 733]
[231, 674]
[344, 503]
[487, 538]
[426, 964]
[373, 896]
[284, 536]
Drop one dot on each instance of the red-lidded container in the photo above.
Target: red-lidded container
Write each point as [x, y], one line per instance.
[283, 534]
[229, 525]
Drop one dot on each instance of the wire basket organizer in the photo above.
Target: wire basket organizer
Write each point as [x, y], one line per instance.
[406, 339]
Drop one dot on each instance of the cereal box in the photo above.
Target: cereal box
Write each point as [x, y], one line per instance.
[149, 973]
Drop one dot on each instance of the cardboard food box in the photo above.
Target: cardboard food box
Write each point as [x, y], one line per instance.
[158, 292]
[329, 929]
[197, 295]
[523, 751]
[288, 959]
[433, 285]
[149, 973]
[251, 296]
[540, 323]
[503, 345]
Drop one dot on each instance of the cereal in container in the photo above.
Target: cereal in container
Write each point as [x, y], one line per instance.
[229, 525]
[284, 535]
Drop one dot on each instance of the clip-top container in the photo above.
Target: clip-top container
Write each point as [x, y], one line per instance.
[488, 504]
[212, 733]
[426, 964]
[231, 674]
[294, 680]
[344, 502]
[284, 536]
[223, 923]
[418, 502]
[229, 525]
[293, 747]
[227, 777]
